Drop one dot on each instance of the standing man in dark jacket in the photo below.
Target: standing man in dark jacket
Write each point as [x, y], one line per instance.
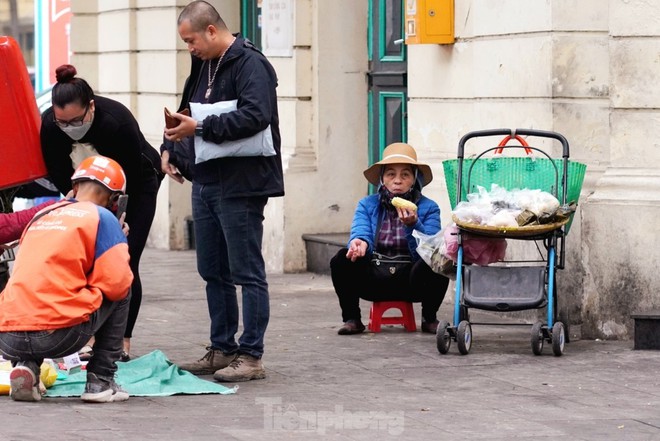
[229, 194]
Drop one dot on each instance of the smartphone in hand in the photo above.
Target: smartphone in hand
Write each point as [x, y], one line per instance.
[122, 202]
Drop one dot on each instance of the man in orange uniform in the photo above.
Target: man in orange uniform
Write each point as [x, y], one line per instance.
[70, 282]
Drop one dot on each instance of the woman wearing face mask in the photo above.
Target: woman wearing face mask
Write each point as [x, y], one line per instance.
[80, 124]
[381, 227]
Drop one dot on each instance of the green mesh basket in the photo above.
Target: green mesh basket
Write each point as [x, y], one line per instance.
[514, 173]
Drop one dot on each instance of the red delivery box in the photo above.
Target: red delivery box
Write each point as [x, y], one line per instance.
[20, 148]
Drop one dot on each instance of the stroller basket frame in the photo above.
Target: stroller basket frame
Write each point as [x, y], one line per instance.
[511, 287]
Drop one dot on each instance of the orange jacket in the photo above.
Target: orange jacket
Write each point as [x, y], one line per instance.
[68, 261]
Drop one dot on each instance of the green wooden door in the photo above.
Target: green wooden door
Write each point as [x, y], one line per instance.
[387, 76]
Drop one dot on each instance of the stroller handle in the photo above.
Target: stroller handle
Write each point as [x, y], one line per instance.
[513, 132]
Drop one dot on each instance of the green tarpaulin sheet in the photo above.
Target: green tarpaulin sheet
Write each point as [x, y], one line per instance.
[151, 375]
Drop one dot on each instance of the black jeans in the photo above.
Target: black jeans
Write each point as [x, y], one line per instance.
[139, 217]
[106, 323]
[355, 280]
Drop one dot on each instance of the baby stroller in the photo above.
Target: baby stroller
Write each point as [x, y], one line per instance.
[516, 285]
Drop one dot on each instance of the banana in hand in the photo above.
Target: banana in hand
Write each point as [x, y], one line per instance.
[403, 203]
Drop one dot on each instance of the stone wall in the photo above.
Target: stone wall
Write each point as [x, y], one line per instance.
[620, 218]
[585, 69]
[130, 51]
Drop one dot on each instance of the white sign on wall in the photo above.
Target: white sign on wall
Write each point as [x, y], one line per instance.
[277, 28]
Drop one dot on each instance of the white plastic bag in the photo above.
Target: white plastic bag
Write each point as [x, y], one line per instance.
[431, 248]
[260, 144]
[500, 207]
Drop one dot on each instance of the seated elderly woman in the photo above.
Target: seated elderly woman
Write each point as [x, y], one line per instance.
[383, 228]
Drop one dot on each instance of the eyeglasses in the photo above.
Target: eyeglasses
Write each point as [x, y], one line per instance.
[75, 122]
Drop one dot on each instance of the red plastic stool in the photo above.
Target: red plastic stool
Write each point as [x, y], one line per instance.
[407, 317]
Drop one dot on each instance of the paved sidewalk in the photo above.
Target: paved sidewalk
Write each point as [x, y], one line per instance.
[391, 385]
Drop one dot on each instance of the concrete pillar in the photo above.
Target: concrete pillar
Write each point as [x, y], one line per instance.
[620, 220]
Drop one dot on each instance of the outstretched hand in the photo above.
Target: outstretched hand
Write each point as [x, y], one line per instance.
[357, 249]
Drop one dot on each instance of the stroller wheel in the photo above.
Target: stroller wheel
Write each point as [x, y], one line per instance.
[442, 337]
[558, 338]
[537, 338]
[464, 337]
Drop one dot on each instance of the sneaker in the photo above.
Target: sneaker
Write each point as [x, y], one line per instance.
[99, 390]
[242, 368]
[124, 357]
[430, 327]
[23, 384]
[351, 327]
[213, 360]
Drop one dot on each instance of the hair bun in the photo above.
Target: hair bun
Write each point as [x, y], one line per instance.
[65, 73]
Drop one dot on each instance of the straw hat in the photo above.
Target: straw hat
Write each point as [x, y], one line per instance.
[398, 153]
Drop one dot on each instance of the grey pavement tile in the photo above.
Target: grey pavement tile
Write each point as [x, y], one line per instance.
[609, 429]
[387, 385]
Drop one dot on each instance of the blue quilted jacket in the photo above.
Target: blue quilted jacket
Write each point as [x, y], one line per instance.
[369, 213]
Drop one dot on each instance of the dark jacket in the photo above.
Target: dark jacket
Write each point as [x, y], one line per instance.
[247, 76]
[114, 133]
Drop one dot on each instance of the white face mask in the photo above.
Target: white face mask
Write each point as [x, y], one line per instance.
[77, 133]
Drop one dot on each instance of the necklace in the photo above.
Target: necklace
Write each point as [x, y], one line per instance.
[211, 79]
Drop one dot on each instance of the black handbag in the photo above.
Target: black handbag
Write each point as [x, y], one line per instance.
[385, 267]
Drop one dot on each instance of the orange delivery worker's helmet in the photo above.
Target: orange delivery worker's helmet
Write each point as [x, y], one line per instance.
[103, 170]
